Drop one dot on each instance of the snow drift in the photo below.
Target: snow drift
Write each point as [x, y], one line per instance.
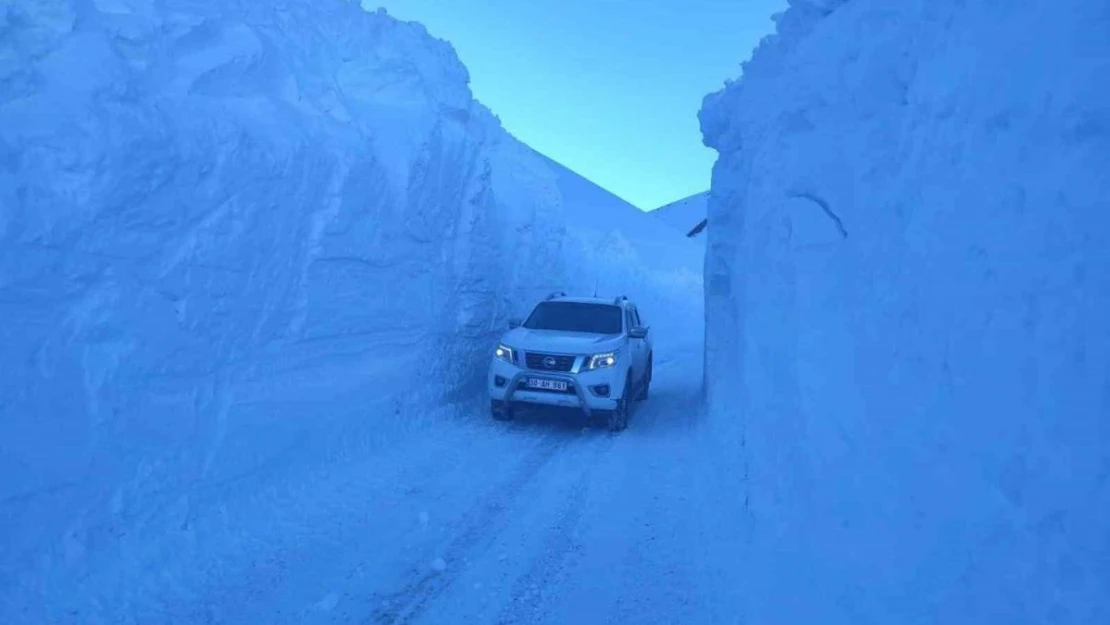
[907, 286]
[232, 235]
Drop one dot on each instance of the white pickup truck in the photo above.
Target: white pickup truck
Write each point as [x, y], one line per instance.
[582, 352]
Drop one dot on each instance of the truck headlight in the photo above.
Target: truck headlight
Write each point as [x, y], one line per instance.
[601, 361]
[504, 352]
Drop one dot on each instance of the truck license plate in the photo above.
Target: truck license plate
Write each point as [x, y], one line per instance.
[547, 385]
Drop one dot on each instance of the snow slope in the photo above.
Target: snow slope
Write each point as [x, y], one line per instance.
[236, 241]
[685, 214]
[640, 257]
[908, 280]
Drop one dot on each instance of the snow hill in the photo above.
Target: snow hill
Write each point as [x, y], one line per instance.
[641, 256]
[685, 215]
[908, 280]
[239, 241]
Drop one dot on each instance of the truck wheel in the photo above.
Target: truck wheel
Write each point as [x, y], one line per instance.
[618, 417]
[646, 383]
[500, 411]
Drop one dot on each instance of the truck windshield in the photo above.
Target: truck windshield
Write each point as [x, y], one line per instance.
[575, 317]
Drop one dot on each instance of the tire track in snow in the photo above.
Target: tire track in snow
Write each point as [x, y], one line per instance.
[560, 543]
[485, 521]
[601, 505]
[568, 483]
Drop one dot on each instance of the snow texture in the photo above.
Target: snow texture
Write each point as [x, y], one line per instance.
[242, 241]
[907, 287]
[686, 214]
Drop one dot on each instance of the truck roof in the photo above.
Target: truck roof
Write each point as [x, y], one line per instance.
[609, 301]
[586, 300]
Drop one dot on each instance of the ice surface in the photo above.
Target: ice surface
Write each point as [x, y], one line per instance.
[241, 243]
[908, 279]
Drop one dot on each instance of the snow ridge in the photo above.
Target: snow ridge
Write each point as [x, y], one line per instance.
[685, 215]
[906, 280]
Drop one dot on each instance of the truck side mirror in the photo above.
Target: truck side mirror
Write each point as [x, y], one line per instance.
[514, 323]
[638, 332]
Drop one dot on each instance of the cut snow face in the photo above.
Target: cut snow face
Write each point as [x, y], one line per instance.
[231, 235]
[908, 280]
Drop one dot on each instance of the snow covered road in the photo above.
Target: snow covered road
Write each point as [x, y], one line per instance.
[540, 520]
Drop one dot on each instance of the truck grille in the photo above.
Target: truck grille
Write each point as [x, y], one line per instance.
[549, 362]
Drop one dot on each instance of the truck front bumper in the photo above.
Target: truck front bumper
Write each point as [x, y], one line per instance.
[508, 385]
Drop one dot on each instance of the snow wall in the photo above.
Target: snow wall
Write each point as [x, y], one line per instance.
[908, 305]
[237, 239]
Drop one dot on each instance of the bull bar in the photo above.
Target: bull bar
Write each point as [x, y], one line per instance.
[570, 379]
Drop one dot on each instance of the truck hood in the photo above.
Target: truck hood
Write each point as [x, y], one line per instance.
[561, 342]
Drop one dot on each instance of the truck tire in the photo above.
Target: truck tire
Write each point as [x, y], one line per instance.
[617, 419]
[500, 411]
[645, 384]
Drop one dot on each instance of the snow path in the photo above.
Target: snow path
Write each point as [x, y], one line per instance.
[537, 520]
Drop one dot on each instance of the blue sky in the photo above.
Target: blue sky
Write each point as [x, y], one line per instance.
[609, 88]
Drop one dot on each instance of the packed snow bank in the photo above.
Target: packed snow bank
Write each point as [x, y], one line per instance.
[907, 287]
[236, 240]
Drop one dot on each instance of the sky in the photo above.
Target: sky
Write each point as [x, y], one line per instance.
[608, 88]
